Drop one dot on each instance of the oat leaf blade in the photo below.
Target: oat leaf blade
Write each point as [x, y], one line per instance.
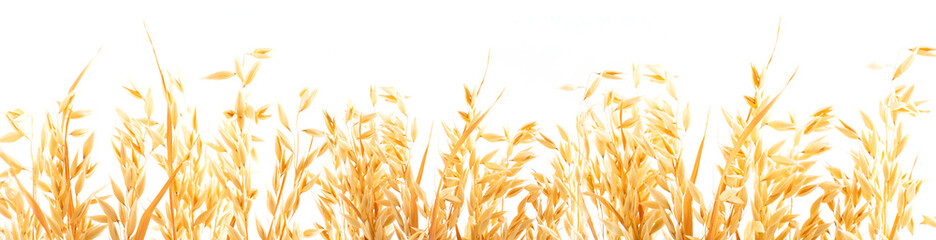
[148, 213]
[37, 211]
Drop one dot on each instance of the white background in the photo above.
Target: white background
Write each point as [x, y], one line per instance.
[427, 50]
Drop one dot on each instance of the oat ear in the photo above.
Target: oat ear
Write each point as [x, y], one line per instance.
[755, 122]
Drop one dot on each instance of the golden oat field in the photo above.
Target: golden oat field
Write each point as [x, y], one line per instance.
[639, 158]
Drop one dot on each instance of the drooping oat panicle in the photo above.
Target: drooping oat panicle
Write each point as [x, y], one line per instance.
[235, 150]
[875, 198]
[132, 144]
[374, 181]
[59, 169]
[175, 144]
[628, 151]
[723, 221]
[495, 178]
[292, 164]
[193, 197]
[780, 177]
[461, 163]
[13, 205]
